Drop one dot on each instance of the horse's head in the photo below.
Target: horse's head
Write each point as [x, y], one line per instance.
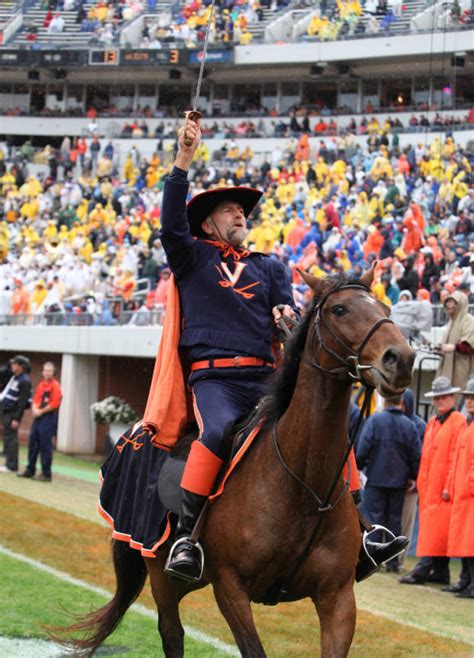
[351, 334]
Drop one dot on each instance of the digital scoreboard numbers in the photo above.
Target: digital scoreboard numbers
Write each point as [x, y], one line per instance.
[150, 57]
[104, 57]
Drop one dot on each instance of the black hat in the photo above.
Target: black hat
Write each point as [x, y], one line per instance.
[22, 361]
[200, 206]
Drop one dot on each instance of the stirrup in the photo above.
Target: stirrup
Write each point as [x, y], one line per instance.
[179, 574]
[365, 539]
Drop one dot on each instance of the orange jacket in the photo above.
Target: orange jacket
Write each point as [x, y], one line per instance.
[350, 469]
[374, 243]
[21, 301]
[302, 150]
[437, 459]
[461, 491]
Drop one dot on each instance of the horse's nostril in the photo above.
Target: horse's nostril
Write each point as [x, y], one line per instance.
[390, 358]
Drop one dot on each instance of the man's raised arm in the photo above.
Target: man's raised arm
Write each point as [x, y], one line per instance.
[175, 235]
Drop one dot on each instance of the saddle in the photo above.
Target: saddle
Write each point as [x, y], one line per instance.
[169, 489]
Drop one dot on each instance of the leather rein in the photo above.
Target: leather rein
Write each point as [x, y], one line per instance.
[351, 366]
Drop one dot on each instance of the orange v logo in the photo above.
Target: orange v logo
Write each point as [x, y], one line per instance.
[231, 278]
[235, 276]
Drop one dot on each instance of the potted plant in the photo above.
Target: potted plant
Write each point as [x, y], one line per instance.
[114, 412]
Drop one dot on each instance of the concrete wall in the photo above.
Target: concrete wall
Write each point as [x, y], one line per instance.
[92, 363]
[92, 341]
[386, 47]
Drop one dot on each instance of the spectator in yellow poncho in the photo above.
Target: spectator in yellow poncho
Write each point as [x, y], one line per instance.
[380, 293]
[128, 171]
[31, 188]
[38, 296]
[51, 230]
[30, 209]
[381, 167]
[7, 180]
[202, 152]
[4, 235]
[263, 236]
[313, 25]
[245, 38]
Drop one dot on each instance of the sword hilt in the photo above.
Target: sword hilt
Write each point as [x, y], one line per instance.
[191, 115]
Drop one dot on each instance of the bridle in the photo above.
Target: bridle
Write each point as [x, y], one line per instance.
[351, 364]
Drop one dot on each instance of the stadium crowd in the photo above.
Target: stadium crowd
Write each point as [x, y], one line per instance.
[302, 123]
[71, 242]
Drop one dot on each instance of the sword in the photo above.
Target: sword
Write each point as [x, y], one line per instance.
[194, 114]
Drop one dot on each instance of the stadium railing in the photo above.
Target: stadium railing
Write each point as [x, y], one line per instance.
[119, 316]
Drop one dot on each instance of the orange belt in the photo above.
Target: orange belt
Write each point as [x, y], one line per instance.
[232, 362]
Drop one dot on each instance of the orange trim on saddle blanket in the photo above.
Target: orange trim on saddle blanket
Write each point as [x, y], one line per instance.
[138, 546]
[350, 472]
[200, 472]
[166, 409]
[237, 458]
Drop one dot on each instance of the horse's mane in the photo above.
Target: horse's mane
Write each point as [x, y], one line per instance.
[283, 381]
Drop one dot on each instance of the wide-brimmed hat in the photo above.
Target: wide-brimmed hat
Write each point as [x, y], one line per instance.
[442, 386]
[200, 206]
[22, 361]
[469, 388]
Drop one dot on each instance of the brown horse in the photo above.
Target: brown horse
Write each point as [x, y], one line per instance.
[260, 534]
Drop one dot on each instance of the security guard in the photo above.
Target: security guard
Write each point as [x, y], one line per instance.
[14, 399]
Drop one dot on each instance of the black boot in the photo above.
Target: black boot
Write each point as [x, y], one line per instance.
[186, 558]
[373, 554]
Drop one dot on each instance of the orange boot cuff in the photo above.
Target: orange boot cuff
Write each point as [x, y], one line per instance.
[201, 470]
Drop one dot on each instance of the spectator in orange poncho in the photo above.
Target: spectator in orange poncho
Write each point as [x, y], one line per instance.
[403, 165]
[296, 234]
[309, 258]
[435, 249]
[461, 492]
[302, 150]
[124, 285]
[414, 223]
[374, 242]
[21, 304]
[161, 293]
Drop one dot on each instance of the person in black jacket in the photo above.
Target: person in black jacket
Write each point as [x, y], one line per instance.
[431, 272]
[409, 280]
[389, 449]
[14, 399]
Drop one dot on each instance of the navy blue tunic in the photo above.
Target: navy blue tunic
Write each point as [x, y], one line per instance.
[226, 299]
[226, 305]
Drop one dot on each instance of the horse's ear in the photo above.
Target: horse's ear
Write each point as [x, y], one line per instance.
[316, 284]
[368, 276]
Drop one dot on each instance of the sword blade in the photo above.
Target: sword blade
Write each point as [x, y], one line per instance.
[203, 61]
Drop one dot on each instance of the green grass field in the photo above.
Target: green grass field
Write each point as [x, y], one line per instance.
[42, 600]
[57, 525]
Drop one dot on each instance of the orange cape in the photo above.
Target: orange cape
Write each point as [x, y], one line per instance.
[168, 408]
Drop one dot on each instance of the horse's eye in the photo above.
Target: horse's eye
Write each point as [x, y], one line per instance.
[339, 310]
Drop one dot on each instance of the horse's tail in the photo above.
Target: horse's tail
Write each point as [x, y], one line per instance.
[96, 626]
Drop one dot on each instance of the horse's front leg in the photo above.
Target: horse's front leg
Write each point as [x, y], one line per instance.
[337, 616]
[234, 604]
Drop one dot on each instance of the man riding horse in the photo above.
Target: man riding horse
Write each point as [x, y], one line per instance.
[230, 299]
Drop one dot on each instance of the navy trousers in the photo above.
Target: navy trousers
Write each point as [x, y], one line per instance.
[221, 398]
[384, 506]
[40, 443]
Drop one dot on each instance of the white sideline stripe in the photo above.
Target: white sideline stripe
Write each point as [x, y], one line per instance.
[411, 624]
[193, 633]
